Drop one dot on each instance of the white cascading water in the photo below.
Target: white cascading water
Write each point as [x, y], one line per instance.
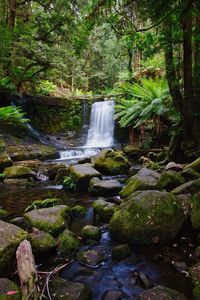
[100, 134]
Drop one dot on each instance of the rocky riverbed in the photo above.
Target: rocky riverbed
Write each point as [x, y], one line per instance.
[126, 232]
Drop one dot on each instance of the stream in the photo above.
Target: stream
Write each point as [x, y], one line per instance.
[145, 267]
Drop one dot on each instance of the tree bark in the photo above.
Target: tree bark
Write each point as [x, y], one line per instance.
[27, 271]
[12, 13]
[170, 67]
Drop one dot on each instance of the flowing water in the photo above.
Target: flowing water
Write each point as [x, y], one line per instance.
[101, 131]
[100, 134]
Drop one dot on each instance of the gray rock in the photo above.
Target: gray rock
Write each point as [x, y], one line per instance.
[65, 290]
[91, 257]
[147, 217]
[90, 232]
[98, 187]
[10, 238]
[5, 161]
[103, 210]
[145, 179]
[51, 220]
[81, 175]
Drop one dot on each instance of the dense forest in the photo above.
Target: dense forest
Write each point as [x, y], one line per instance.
[100, 149]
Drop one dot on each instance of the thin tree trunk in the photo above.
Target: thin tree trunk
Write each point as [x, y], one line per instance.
[170, 68]
[12, 13]
[196, 79]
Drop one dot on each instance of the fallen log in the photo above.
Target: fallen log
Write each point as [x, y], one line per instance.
[27, 271]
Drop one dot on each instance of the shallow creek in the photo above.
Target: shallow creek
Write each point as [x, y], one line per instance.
[153, 264]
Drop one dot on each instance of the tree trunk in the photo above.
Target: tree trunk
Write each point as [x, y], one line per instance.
[196, 79]
[170, 67]
[130, 59]
[12, 13]
[188, 80]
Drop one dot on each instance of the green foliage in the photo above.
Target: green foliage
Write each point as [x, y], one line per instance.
[45, 88]
[43, 203]
[2, 176]
[12, 115]
[143, 102]
[69, 184]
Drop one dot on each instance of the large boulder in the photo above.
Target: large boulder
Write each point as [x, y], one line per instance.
[161, 293]
[103, 210]
[81, 175]
[145, 179]
[147, 217]
[111, 162]
[67, 243]
[51, 220]
[65, 290]
[169, 180]
[10, 238]
[5, 161]
[18, 172]
[6, 286]
[107, 188]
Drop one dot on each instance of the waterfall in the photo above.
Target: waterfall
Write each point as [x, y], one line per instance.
[101, 128]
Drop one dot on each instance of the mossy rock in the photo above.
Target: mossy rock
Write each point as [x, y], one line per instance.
[81, 175]
[6, 286]
[90, 232]
[195, 214]
[10, 238]
[190, 174]
[18, 172]
[51, 220]
[41, 241]
[32, 151]
[192, 187]
[43, 203]
[65, 290]
[195, 165]
[103, 210]
[111, 162]
[161, 292]
[91, 257]
[147, 217]
[169, 180]
[2, 146]
[78, 211]
[68, 244]
[145, 179]
[5, 161]
[105, 188]
[3, 213]
[120, 251]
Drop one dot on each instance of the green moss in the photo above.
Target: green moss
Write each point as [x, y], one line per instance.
[170, 180]
[195, 165]
[51, 220]
[3, 213]
[90, 232]
[2, 146]
[67, 243]
[42, 242]
[43, 203]
[103, 210]
[111, 162]
[120, 251]
[146, 217]
[195, 214]
[18, 172]
[53, 119]
[78, 211]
